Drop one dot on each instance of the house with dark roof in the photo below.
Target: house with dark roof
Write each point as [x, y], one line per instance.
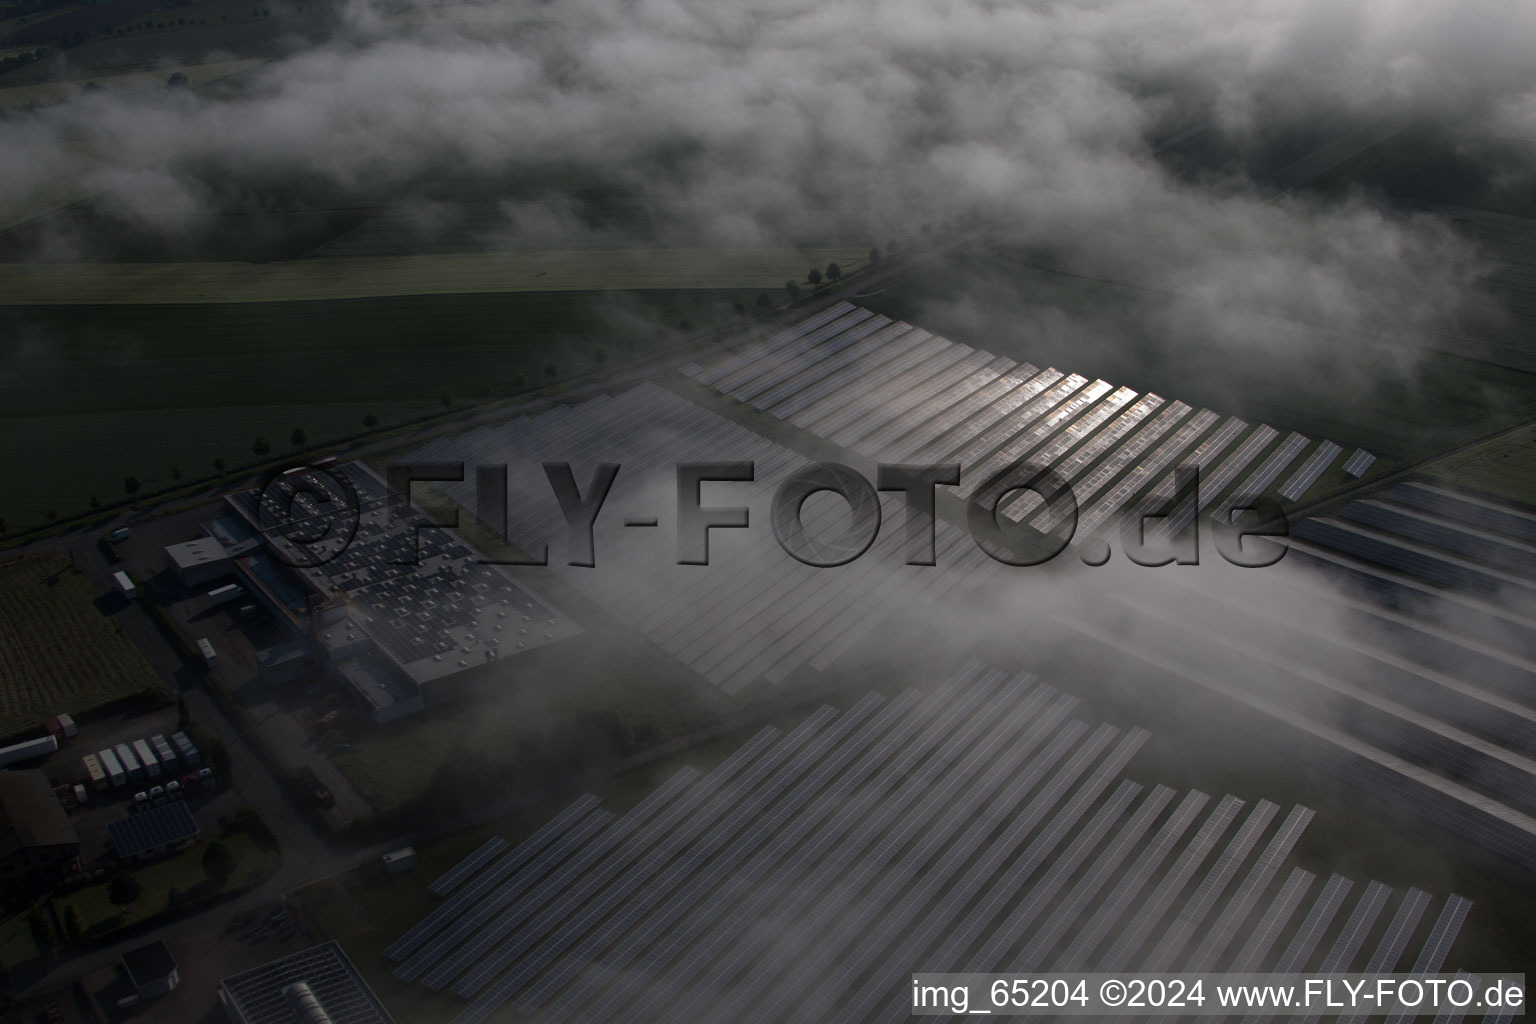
[37, 842]
[151, 969]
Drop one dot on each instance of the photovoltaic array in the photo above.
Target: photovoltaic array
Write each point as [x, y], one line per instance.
[754, 613]
[976, 828]
[1395, 646]
[894, 393]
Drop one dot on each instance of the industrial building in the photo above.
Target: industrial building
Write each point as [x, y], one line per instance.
[199, 561]
[38, 845]
[312, 985]
[403, 615]
[978, 828]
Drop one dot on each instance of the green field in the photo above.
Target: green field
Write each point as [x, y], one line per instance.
[366, 277]
[168, 883]
[1503, 467]
[94, 394]
[59, 652]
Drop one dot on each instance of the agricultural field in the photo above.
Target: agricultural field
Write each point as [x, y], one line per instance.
[146, 390]
[1503, 467]
[428, 274]
[58, 651]
[57, 91]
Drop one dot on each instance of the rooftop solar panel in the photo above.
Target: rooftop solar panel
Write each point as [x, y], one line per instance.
[151, 829]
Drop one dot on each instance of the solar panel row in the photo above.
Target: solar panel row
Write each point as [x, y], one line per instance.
[977, 827]
[889, 391]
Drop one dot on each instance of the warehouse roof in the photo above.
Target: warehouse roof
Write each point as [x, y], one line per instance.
[30, 815]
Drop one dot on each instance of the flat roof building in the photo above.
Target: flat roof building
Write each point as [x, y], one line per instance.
[200, 561]
[318, 983]
[37, 842]
[151, 969]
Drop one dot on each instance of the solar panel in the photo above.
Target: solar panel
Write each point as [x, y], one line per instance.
[1042, 844]
[1022, 444]
[934, 431]
[1076, 957]
[1065, 823]
[880, 349]
[896, 353]
[636, 930]
[937, 920]
[1120, 955]
[995, 953]
[904, 721]
[1358, 463]
[1147, 471]
[1224, 931]
[1307, 475]
[822, 897]
[1102, 870]
[764, 899]
[584, 805]
[1267, 932]
[854, 940]
[468, 866]
[153, 828]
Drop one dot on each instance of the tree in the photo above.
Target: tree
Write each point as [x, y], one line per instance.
[218, 862]
[37, 924]
[874, 256]
[834, 272]
[792, 290]
[519, 379]
[219, 759]
[298, 437]
[739, 309]
[764, 300]
[261, 447]
[814, 277]
[370, 421]
[220, 465]
[124, 889]
[178, 80]
[131, 484]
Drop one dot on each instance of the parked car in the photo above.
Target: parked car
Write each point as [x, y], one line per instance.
[140, 801]
[174, 790]
[119, 535]
[157, 795]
